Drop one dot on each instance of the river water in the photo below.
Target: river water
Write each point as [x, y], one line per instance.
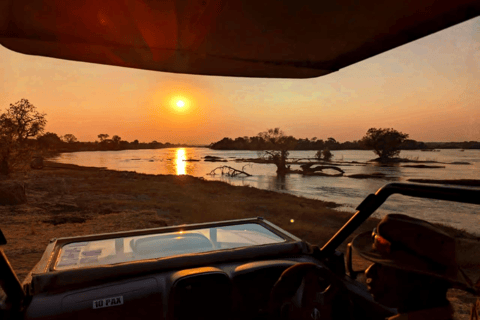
[346, 191]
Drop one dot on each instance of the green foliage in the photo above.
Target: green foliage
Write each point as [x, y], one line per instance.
[384, 142]
[20, 122]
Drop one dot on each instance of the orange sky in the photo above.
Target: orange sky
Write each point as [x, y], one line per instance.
[429, 89]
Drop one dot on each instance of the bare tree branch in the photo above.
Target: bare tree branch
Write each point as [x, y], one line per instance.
[229, 171]
[307, 168]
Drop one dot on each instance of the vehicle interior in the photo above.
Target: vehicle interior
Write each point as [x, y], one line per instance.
[239, 269]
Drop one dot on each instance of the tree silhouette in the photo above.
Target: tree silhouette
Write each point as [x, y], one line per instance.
[49, 140]
[278, 144]
[20, 122]
[69, 138]
[116, 139]
[24, 121]
[384, 142]
[324, 154]
[103, 137]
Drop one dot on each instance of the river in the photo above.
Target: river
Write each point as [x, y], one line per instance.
[346, 191]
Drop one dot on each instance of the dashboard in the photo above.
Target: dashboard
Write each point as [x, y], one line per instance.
[236, 290]
[203, 271]
[216, 270]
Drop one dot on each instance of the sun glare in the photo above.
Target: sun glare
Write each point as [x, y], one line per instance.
[180, 164]
[180, 103]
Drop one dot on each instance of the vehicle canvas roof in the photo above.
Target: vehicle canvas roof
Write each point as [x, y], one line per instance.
[249, 38]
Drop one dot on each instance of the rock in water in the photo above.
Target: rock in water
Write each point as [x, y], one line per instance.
[37, 163]
[12, 193]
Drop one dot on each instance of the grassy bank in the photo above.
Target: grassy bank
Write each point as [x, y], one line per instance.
[68, 200]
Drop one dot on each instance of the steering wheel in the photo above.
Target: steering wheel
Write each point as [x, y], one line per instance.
[308, 291]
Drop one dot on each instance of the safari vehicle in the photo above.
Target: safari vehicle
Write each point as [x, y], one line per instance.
[239, 269]
[229, 269]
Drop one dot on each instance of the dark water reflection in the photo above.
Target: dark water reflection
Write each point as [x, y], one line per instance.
[276, 183]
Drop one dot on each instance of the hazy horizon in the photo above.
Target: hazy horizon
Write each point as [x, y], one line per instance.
[428, 89]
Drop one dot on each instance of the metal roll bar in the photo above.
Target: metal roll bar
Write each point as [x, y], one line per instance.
[373, 201]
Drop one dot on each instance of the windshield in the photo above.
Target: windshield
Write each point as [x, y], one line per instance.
[125, 249]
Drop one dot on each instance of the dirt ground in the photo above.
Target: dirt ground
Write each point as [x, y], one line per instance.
[67, 200]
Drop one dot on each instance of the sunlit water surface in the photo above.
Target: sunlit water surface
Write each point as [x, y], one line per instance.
[343, 190]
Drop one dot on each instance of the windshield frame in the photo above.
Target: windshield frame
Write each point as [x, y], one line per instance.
[163, 245]
[61, 242]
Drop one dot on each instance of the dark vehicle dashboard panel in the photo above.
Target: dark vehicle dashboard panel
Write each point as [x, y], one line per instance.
[217, 292]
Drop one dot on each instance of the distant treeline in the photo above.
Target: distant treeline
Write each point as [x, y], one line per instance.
[258, 143]
[453, 145]
[53, 143]
[68, 143]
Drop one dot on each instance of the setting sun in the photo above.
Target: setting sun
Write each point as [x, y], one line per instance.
[180, 103]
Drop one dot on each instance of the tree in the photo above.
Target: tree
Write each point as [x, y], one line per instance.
[25, 120]
[116, 139]
[103, 137]
[69, 138]
[279, 144]
[384, 142]
[331, 143]
[324, 154]
[7, 144]
[20, 122]
[49, 140]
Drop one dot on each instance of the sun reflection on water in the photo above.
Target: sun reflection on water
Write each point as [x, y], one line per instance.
[181, 165]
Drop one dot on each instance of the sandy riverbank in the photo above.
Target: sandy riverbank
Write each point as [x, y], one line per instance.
[68, 200]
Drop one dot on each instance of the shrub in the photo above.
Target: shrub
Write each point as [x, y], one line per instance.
[324, 154]
[384, 142]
